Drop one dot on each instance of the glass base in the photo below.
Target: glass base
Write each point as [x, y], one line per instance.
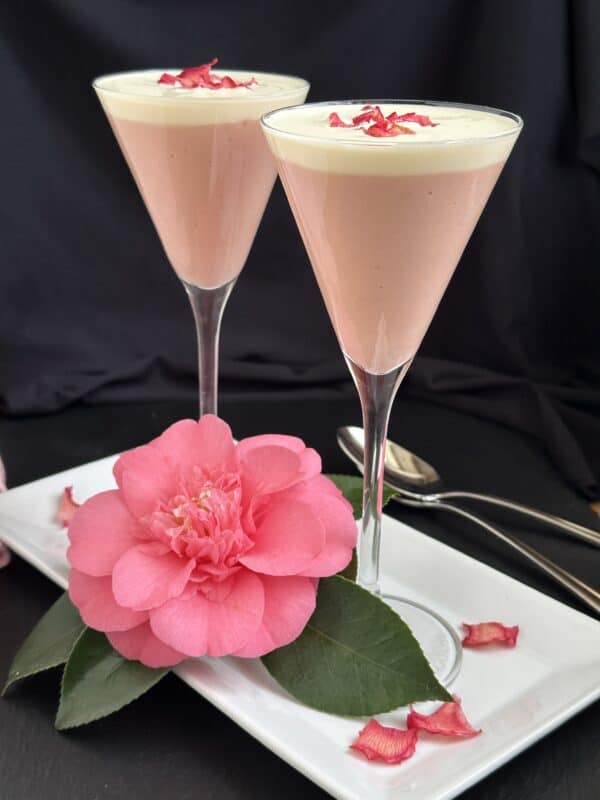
[438, 639]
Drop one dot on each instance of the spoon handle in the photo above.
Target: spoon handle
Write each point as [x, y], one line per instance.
[572, 528]
[583, 591]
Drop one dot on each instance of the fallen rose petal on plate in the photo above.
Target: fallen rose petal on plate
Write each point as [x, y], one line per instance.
[484, 633]
[448, 720]
[66, 507]
[389, 745]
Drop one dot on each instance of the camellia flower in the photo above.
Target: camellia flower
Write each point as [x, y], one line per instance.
[207, 547]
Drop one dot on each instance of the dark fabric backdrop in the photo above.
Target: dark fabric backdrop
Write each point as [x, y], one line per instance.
[89, 309]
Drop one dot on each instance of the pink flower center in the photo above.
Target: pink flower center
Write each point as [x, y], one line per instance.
[203, 523]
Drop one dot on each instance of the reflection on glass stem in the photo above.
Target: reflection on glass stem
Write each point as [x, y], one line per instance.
[376, 393]
[208, 306]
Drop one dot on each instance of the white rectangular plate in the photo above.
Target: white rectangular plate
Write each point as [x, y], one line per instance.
[516, 696]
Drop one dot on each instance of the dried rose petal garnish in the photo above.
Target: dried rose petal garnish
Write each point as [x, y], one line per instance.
[490, 633]
[372, 122]
[195, 77]
[371, 114]
[336, 122]
[390, 745]
[388, 129]
[420, 119]
[66, 507]
[448, 720]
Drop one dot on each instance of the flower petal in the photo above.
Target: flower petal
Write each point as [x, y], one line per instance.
[289, 604]
[311, 464]
[318, 484]
[143, 579]
[323, 484]
[420, 119]
[335, 121]
[448, 720]
[269, 469]
[197, 625]
[145, 478]
[341, 533]
[380, 743]
[66, 507]
[96, 603]
[100, 532]
[202, 76]
[490, 633]
[140, 644]
[293, 443]
[207, 444]
[287, 540]
[256, 453]
[335, 512]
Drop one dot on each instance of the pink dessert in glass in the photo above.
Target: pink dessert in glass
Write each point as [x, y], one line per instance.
[386, 219]
[200, 161]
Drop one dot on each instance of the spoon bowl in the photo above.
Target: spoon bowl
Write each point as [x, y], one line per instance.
[404, 468]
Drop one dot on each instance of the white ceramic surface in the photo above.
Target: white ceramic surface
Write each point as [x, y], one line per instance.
[516, 696]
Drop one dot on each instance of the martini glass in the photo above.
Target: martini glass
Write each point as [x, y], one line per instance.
[385, 221]
[205, 173]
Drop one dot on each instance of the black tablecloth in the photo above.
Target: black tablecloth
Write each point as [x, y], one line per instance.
[173, 745]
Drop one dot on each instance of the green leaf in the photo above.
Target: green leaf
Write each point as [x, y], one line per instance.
[98, 681]
[351, 487]
[355, 656]
[350, 572]
[49, 643]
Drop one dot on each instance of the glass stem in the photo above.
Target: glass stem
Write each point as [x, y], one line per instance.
[376, 393]
[208, 306]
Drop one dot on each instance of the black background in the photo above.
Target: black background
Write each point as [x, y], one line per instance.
[90, 310]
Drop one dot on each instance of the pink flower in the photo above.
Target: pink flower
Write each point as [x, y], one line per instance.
[208, 547]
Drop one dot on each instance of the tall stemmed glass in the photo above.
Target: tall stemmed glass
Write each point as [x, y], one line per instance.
[205, 173]
[385, 206]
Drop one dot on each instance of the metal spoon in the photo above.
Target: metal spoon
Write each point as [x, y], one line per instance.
[417, 477]
[406, 472]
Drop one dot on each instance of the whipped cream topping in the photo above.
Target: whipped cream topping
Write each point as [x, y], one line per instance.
[463, 138]
[139, 96]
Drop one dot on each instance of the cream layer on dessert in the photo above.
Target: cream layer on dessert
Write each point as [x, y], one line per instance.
[463, 138]
[139, 96]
